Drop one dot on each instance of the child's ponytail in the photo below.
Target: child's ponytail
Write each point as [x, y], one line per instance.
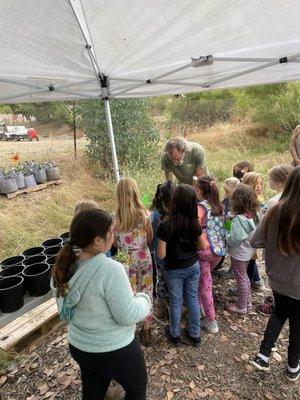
[210, 192]
[63, 269]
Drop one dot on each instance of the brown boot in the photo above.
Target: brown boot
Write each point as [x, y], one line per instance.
[160, 310]
[146, 336]
[115, 391]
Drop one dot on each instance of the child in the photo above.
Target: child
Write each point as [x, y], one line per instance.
[244, 207]
[229, 187]
[278, 176]
[241, 168]
[211, 219]
[278, 233]
[178, 240]
[295, 146]
[84, 205]
[133, 234]
[255, 180]
[160, 212]
[95, 299]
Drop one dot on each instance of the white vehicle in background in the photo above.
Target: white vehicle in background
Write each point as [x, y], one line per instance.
[17, 132]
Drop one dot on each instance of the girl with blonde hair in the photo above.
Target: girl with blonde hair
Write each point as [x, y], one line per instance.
[133, 234]
[278, 176]
[255, 180]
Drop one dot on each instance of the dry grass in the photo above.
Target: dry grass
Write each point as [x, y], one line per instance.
[28, 220]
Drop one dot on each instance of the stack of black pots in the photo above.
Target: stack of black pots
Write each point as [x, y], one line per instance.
[28, 273]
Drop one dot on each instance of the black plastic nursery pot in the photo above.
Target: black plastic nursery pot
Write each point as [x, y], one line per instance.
[52, 243]
[65, 237]
[34, 260]
[51, 251]
[37, 279]
[33, 251]
[11, 261]
[11, 271]
[51, 261]
[11, 294]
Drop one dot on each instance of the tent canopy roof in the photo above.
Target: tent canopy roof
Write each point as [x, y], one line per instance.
[63, 49]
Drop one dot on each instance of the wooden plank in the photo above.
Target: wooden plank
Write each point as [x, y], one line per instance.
[40, 186]
[12, 326]
[16, 332]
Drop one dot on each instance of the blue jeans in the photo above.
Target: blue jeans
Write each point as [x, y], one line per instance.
[183, 283]
[252, 271]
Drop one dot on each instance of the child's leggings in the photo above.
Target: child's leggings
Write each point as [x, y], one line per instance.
[140, 277]
[161, 284]
[239, 269]
[208, 262]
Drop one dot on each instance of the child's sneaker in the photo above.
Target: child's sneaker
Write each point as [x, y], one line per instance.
[259, 286]
[292, 376]
[265, 309]
[233, 308]
[196, 342]
[211, 327]
[175, 340]
[260, 364]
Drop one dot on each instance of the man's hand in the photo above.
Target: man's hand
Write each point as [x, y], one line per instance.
[168, 175]
[199, 172]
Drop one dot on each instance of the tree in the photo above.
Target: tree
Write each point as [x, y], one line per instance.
[135, 135]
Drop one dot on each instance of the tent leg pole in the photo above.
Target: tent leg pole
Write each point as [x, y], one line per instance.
[112, 140]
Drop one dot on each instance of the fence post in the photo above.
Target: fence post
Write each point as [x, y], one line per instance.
[74, 130]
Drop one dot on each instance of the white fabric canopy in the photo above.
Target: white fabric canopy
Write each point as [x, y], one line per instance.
[59, 49]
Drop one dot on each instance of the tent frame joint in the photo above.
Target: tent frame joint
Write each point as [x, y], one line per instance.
[283, 60]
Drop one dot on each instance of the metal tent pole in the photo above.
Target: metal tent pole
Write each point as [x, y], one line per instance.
[112, 139]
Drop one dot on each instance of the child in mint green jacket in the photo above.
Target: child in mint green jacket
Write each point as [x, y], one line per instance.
[244, 207]
[95, 298]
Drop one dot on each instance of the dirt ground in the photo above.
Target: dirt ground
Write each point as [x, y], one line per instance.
[218, 370]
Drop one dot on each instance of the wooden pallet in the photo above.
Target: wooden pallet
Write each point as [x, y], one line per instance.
[31, 325]
[41, 186]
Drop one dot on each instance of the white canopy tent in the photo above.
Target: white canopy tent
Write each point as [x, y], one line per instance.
[53, 50]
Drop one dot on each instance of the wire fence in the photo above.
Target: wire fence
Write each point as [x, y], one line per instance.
[48, 131]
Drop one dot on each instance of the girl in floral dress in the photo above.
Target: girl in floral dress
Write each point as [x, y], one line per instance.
[133, 234]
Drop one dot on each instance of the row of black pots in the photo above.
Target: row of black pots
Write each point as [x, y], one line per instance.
[47, 249]
[34, 278]
[28, 272]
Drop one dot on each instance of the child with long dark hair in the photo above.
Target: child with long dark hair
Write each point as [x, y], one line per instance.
[244, 206]
[95, 298]
[179, 238]
[160, 212]
[211, 219]
[279, 234]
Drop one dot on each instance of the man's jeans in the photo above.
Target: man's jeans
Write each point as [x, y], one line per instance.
[183, 283]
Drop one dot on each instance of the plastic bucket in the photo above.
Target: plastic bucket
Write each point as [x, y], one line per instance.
[51, 261]
[53, 173]
[11, 271]
[11, 294]
[52, 243]
[51, 251]
[8, 186]
[11, 261]
[33, 251]
[30, 181]
[65, 237]
[40, 175]
[34, 260]
[37, 279]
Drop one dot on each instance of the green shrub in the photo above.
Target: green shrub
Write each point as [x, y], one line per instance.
[135, 135]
